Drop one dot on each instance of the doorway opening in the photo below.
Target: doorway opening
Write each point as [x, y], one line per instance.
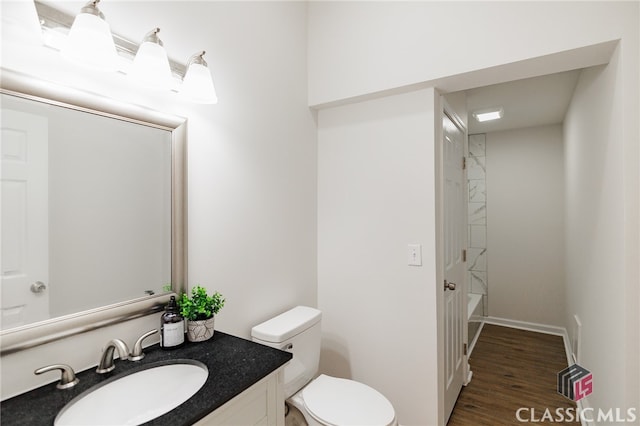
[516, 202]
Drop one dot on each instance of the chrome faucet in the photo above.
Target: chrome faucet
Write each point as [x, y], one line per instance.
[106, 361]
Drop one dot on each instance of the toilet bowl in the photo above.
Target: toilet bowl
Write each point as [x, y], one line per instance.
[334, 401]
[323, 400]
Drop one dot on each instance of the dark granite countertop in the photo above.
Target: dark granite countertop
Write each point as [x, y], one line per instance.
[234, 364]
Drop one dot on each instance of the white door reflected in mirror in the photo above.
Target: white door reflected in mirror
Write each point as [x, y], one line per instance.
[25, 234]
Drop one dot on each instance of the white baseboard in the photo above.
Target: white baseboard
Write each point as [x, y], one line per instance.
[530, 326]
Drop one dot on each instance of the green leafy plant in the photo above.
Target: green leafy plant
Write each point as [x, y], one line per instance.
[200, 306]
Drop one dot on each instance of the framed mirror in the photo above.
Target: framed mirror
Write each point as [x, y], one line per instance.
[93, 211]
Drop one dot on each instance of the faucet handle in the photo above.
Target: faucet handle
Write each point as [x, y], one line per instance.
[137, 353]
[68, 378]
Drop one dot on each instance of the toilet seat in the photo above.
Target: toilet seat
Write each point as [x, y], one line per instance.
[338, 402]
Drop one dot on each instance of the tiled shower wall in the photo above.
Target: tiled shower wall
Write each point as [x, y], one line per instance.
[477, 251]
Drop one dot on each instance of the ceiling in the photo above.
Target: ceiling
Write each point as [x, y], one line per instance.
[536, 101]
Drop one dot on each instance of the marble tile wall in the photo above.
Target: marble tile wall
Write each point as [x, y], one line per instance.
[477, 208]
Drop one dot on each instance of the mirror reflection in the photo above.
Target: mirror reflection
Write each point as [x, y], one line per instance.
[86, 210]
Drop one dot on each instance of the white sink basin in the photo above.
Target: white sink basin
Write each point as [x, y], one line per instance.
[135, 398]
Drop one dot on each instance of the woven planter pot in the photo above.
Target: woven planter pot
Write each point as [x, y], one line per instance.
[201, 330]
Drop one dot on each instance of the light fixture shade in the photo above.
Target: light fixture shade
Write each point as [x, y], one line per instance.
[151, 65]
[197, 85]
[90, 42]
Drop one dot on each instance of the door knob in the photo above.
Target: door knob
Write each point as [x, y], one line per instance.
[448, 285]
[38, 287]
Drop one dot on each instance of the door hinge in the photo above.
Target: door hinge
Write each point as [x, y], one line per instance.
[465, 348]
[464, 163]
[464, 255]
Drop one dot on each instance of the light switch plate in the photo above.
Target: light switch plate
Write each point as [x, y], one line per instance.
[414, 255]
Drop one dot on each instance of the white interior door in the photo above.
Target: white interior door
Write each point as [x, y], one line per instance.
[455, 298]
[24, 255]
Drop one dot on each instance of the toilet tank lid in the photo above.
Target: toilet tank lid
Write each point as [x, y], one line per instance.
[287, 324]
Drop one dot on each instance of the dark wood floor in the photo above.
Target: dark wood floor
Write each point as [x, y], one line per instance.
[511, 369]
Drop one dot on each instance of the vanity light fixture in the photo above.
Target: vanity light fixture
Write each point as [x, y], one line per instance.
[488, 114]
[147, 63]
[90, 42]
[151, 65]
[197, 85]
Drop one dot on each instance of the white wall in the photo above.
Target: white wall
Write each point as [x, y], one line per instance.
[252, 166]
[252, 159]
[601, 218]
[376, 195]
[525, 224]
[358, 48]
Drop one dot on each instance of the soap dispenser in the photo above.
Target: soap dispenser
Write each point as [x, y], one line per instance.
[171, 326]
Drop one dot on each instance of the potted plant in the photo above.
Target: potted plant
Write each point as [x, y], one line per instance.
[199, 311]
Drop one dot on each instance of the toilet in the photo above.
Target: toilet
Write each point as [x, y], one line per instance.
[323, 400]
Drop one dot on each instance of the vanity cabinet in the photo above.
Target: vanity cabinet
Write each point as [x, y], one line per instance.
[261, 404]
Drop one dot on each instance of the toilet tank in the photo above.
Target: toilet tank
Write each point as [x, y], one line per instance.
[296, 331]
